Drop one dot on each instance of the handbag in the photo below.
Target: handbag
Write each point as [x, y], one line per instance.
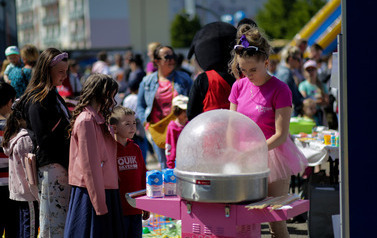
[30, 161]
[31, 169]
[159, 129]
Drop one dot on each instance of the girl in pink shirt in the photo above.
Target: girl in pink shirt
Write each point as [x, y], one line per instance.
[175, 128]
[268, 102]
[94, 207]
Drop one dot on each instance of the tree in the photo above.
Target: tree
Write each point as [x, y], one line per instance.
[183, 30]
[283, 19]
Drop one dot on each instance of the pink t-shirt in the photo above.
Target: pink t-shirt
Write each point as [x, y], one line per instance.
[174, 130]
[162, 101]
[260, 102]
[150, 67]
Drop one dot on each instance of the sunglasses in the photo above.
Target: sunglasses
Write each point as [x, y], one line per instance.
[296, 58]
[169, 57]
[310, 69]
[250, 50]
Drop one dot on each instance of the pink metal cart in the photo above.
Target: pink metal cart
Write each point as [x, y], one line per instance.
[209, 220]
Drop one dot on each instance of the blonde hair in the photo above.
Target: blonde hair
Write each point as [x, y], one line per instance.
[300, 41]
[290, 51]
[308, 102]
[29, 54]
[118, 113]
[256, 38]
[152, 46]
[4, 66]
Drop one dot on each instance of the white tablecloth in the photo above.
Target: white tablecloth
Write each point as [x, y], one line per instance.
[316, 152]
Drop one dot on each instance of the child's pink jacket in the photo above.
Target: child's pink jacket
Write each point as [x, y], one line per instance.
[92, 158]
[19, 187]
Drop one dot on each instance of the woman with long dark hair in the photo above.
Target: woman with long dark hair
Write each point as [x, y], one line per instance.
[47, 117]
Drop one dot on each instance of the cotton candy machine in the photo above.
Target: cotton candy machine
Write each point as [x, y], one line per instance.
[221, 163]
[221, 158]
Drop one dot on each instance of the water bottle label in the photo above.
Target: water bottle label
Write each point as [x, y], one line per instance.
[170, 189]
[154, 191]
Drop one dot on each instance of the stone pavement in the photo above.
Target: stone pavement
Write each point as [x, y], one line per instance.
[296, 230]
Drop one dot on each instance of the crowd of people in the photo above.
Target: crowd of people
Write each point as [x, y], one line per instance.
[90, 132]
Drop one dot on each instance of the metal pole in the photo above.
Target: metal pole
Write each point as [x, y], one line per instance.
[343, 138]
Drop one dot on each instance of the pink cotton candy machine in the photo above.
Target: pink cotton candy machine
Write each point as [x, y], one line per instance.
[222, 158]
[221, 163]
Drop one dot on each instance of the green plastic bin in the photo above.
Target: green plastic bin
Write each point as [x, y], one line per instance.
[299, 124]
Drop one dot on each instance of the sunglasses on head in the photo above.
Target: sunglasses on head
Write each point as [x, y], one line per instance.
[250, 50]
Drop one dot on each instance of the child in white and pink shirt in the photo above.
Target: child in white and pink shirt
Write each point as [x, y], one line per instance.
[175, 128]
[17, 144]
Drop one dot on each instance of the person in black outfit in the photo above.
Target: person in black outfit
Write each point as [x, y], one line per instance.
[9, 222]
[47, 120]
[211, 46]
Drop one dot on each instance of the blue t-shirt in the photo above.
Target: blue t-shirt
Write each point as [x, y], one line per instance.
[311, 90]
[19, 78]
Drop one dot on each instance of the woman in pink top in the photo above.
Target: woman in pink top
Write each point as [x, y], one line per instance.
[157, 90]
[94, 207]
[268, 102]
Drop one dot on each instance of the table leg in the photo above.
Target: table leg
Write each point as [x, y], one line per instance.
[293, 183]
[334, 170]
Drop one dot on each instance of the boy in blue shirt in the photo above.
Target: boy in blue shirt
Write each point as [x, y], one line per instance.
[13, 74]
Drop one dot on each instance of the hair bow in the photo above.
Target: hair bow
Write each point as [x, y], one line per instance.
[244, 41]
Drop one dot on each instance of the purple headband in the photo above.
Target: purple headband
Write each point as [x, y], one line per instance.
[244, 41]
[58, 58]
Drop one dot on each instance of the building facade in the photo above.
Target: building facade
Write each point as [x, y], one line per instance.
[151, 19]
[73, 24]
[99, 24]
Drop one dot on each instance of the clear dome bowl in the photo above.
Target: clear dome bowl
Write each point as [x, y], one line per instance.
[222, 142]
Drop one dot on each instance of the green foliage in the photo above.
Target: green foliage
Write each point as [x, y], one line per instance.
[283, 19]
[183, 30]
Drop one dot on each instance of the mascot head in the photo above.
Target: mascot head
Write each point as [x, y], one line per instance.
[212, 46]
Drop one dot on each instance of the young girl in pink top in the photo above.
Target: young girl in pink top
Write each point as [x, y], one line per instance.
[175, 128]
[268, 102]
[94, 207]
